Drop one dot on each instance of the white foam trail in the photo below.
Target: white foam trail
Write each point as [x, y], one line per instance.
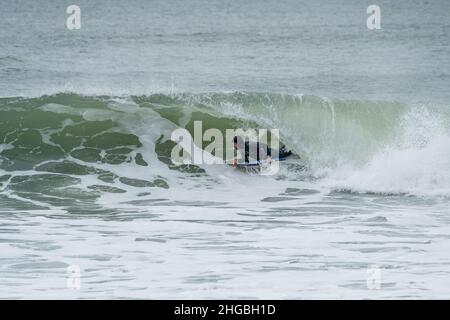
[418, 164]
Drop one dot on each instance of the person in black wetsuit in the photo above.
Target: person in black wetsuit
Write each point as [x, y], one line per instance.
[255, 150]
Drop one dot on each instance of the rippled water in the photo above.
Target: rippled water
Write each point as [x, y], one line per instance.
[300, 244]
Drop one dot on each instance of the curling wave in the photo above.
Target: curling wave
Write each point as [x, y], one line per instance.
[83, 146]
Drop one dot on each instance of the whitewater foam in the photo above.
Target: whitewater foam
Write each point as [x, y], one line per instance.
[417, 161]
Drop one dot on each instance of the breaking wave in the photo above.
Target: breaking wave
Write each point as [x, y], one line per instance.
[81, 147]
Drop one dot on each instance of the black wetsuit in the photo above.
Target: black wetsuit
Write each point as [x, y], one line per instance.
[258, 156]
[282, 153]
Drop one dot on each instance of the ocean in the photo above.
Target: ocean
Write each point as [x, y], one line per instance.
[91, 205]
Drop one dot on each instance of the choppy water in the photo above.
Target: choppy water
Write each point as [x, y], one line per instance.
[86, 178]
